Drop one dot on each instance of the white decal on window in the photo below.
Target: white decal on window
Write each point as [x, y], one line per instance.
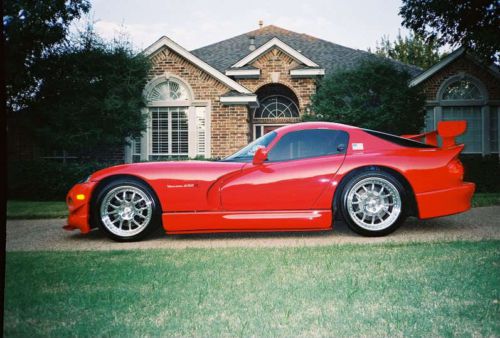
[357, 146]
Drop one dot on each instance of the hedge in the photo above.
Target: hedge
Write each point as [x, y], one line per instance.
[43, 180]
[484, 171]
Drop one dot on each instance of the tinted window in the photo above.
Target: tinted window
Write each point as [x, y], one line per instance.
[246, 154]
[400, 141]
[309, 143]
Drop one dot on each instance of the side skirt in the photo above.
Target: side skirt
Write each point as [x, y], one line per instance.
[233, 221]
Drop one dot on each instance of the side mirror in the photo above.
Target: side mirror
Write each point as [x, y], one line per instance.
[260, 156]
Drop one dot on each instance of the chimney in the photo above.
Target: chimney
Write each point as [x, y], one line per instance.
[251, 39]
[261, 23]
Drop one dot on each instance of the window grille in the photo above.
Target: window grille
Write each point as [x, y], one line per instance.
[277, 106]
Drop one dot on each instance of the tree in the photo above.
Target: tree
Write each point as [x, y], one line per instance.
[473, 24]
[375, 95]
[31, 28]
[91, 95]
[412, 49]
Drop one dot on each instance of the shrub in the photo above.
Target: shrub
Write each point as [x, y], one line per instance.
[375, 95]
[483, 171]
[46, 180]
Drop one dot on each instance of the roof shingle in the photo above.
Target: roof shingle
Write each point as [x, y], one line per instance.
[222, 55]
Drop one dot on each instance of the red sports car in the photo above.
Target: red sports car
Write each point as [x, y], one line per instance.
[295, 178]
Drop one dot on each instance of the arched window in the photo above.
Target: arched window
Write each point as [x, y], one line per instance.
[168, 91]
[277, 106]
[463, 89]
[462, 97]
[177, 126]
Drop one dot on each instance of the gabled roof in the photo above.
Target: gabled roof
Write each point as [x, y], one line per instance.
[330, 56]
[493, 69]
[275, 42]
[437, 67]
[166, 42]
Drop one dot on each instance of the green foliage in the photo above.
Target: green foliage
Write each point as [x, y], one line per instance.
[414, 290]
[470, 23]
[31, 28]
[91, 96]
[412, 49]
[36, 210]
[483, 171]
[46, 180]
[375, 95]
[485, 199]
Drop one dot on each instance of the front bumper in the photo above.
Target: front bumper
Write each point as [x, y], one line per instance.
[79, 209]
[445, 202]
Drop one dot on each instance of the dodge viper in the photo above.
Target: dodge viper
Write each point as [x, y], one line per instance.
[300, 177]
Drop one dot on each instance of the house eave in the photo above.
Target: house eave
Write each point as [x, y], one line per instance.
[250, 100]
[297, 73]
[275, 42]
[244, 73]
[437, 67]
[165, 41]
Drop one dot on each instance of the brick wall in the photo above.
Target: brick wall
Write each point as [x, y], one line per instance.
[277, 61]
[465, 65]
[229, 124]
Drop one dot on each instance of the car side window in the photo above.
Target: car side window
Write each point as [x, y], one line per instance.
[309, 143]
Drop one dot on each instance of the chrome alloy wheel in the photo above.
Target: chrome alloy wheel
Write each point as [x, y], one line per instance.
[374, 203]
[126, 211]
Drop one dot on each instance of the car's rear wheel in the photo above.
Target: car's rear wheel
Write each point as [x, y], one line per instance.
[373, 203]
[126, 210]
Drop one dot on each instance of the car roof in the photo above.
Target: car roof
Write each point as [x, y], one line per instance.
[315, 125]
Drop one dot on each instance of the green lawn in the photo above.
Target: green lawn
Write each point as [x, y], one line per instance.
[422, 289]
[34, 210]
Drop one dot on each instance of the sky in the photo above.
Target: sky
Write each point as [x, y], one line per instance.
[196, 23]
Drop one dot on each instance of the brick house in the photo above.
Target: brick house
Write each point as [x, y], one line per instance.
[459, 87]
[213, 100]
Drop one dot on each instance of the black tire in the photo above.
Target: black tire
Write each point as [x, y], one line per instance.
[360, 206]
[148, 208]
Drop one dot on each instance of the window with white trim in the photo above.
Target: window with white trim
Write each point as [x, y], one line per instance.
[463, 97]
[277, 106]
[135, 146]
[168, 91]
[473, 137]
[201, 131]
[177, 126]
[494, 132]
[169, 131]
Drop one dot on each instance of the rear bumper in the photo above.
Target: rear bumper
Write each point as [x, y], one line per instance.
[79, 208]
[445, 202]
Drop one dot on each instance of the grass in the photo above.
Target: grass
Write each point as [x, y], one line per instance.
[426, 289]
[36, 210]
[485, 199]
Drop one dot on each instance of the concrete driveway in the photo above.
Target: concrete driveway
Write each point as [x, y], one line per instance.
[477, 224]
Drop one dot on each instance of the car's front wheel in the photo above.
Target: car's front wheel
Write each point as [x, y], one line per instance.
[373, 203]
[126, 210]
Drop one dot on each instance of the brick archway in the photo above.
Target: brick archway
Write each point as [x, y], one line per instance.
[279, 106]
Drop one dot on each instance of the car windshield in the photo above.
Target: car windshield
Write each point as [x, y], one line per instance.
[246, 154]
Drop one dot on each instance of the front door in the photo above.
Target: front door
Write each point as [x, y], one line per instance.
[300, 166]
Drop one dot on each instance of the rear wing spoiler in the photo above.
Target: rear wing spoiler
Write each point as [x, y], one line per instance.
[446, 130]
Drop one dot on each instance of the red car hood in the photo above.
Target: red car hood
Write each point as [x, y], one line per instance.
[172, 170]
